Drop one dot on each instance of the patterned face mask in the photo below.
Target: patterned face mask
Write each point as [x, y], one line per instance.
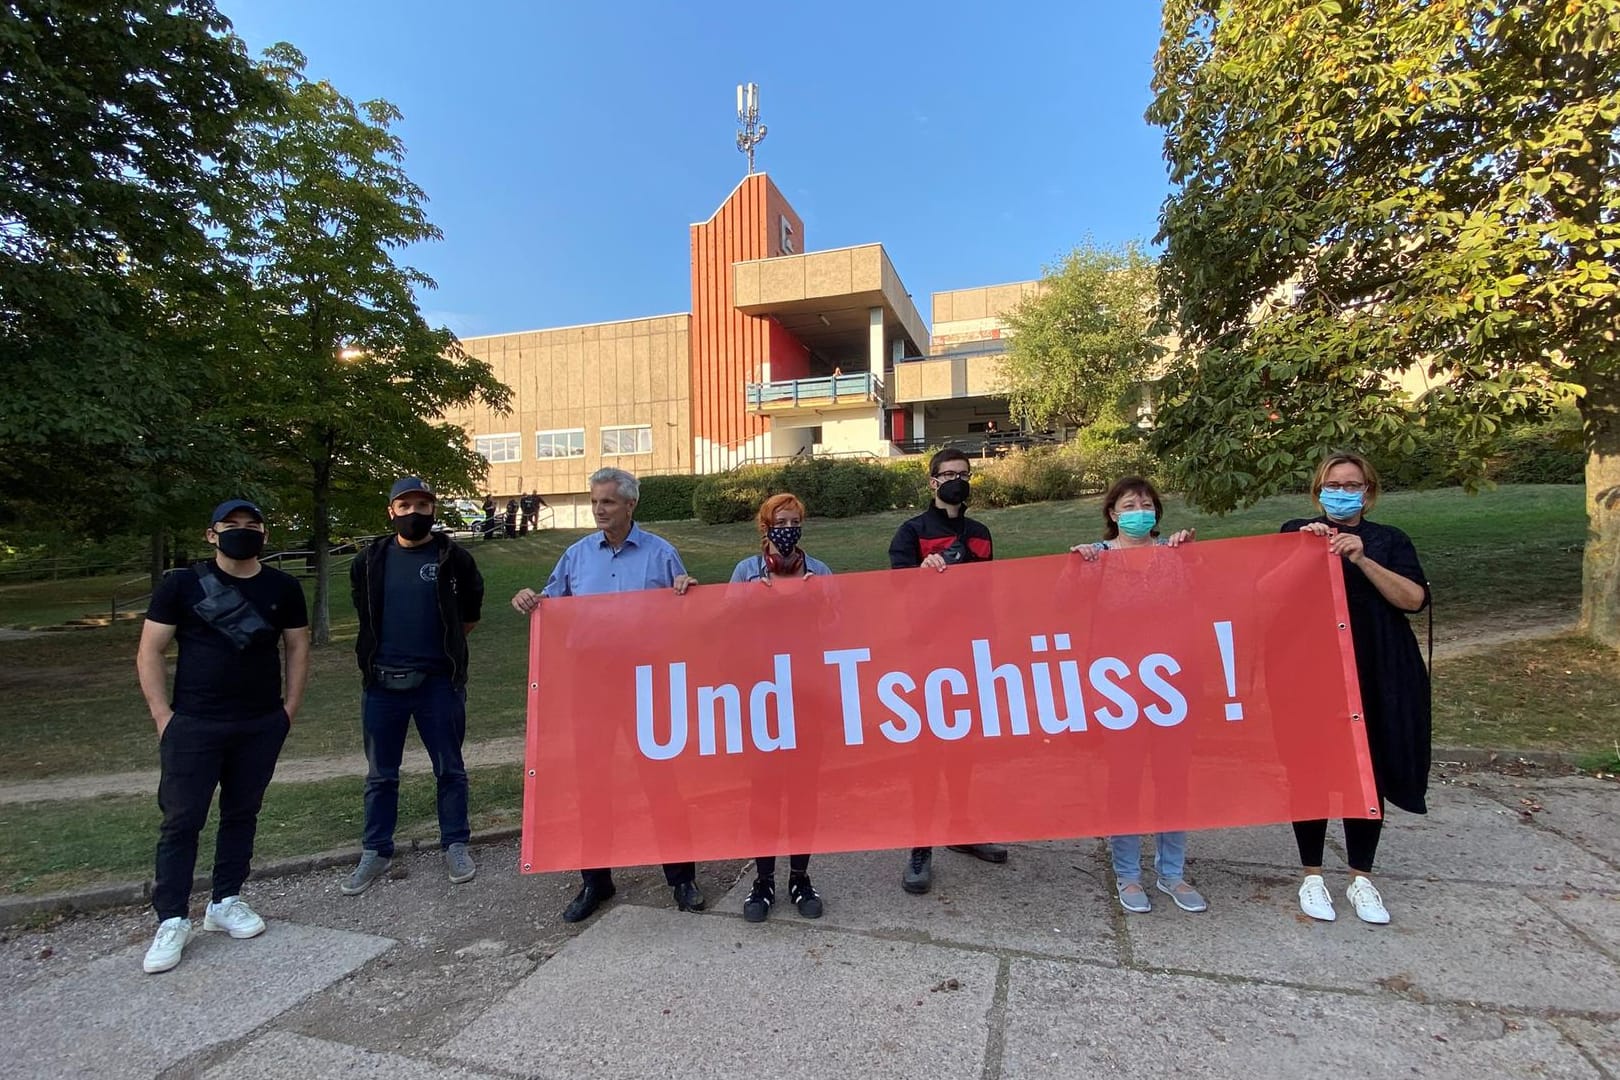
[784, 537]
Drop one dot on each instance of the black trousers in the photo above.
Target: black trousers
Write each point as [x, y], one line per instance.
[675, 873]
[765, 865]
[1360, 840]
[238, 756]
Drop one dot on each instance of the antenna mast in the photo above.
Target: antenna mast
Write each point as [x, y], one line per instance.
[750, 131]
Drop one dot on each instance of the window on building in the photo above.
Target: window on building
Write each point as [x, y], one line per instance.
[559, 443]
[498, 449]
[630, 439]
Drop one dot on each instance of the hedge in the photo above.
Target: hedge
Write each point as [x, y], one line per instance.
[667, 498]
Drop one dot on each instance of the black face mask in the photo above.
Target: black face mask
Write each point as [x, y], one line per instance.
[954, 492]
[241, 543]
[413, 527]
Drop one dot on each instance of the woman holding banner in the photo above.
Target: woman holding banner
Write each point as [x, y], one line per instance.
[1131, 512]
[781, 525]
[1383, 584]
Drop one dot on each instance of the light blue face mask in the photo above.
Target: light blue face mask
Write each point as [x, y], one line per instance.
[1137, 523]
[1341, 505]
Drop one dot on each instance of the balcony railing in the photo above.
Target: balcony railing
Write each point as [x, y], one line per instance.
[861, 387]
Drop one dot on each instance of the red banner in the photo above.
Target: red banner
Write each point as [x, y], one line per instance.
[1207, 685]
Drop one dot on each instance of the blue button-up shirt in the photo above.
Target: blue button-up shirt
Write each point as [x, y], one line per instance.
[591, 566]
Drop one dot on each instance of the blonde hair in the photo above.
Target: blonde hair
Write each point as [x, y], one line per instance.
[1332, 461]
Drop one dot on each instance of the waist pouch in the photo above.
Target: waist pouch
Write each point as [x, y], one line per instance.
[229, 612]
[388, 677]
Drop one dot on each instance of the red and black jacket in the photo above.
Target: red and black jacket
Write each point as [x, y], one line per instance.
[958, 539]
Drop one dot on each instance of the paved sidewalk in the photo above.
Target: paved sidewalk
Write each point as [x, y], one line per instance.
[1503, 960]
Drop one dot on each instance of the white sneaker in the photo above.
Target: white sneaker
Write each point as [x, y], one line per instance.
[1314, 899]
[233, 916]
[1369, 905]
[172, 935]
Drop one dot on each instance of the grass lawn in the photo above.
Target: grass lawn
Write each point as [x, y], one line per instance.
[1553, 693]
[49, 603]
[73, 705]
[59, 845]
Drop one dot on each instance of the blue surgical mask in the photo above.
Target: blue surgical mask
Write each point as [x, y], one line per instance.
[1341, 505]
[1137, 523]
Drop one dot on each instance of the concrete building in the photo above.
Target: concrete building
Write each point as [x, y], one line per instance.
[785, 352]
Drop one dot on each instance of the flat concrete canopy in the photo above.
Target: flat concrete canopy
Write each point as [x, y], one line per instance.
[825, 298]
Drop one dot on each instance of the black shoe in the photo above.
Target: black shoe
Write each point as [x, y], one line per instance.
[804, 896]
[919, 877]
[687, 897]
[758, 905]
[988, 852]
[587, 900]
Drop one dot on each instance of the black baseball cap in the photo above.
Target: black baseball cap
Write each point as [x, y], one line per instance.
[231, 506]
[409, 485]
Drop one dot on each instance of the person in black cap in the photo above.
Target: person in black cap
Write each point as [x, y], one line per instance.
[418, 597]
[226, 721]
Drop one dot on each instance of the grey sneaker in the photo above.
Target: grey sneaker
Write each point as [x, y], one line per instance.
[1186, 897]
[1134, 898]
[459, 864]
[372, 866]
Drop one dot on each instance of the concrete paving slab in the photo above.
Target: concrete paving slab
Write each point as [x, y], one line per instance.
[1600, 1041]
[1596, 914]
[1070, 1020]
[223, 990]
[1581, 808]
[1468, 836]
[1055, 899]
[281, 1055]
[1262, 845]
[647, 992]
[1446, 941]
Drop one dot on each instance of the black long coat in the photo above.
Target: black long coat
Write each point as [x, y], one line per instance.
[1394, 680]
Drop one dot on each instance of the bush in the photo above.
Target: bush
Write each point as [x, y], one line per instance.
[1544, 452]
[667, 498]
[1108, 452]
[830, 487]
[1550, 453]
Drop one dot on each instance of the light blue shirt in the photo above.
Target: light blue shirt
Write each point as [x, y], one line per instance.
[753, 568]
[591, 566]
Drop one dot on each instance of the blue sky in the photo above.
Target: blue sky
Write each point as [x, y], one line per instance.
[566, 147]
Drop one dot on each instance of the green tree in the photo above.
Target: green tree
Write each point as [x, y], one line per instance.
[1362, 187]
[347, 379]
[116, 125]
[1084, 340]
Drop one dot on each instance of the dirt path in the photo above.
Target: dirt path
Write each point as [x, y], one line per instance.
[1461, 640]
[507, 751]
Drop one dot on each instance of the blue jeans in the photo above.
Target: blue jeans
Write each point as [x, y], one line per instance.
[1169, 856]
[440, 709]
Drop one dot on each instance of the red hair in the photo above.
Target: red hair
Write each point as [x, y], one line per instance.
[771, 506]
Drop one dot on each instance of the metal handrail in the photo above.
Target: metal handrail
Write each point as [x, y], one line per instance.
[860, 386]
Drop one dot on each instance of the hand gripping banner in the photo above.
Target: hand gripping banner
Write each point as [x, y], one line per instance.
[1207, 685]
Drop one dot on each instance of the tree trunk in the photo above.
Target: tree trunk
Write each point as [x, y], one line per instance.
[1600, 580]
[320, 618]
[158, 556]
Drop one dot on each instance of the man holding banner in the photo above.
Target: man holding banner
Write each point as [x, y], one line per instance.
[622, 557]
[942, 535]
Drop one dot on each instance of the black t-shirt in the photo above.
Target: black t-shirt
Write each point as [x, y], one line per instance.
[211, 678]
[410, 632]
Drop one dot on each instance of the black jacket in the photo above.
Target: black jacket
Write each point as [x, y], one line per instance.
[959, 539]
[461, 601]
